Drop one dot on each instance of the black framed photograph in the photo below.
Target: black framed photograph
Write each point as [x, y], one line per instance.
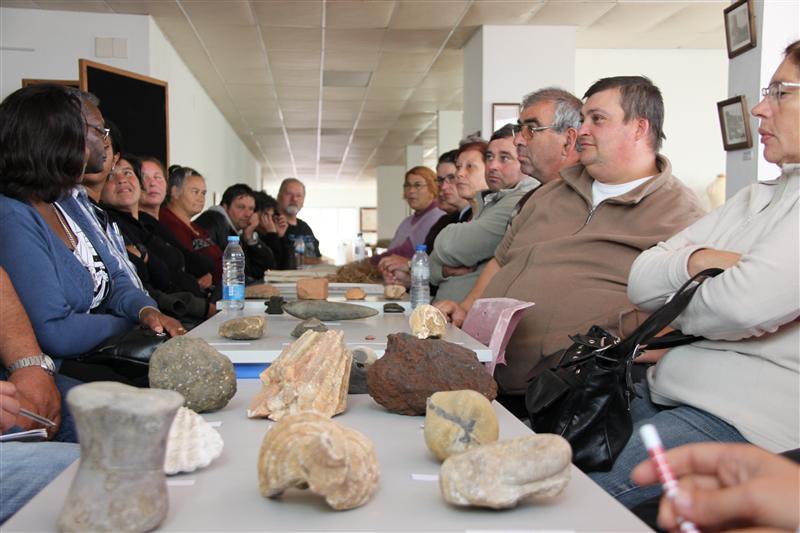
[503, 114]
[734, 122]
[740, 27]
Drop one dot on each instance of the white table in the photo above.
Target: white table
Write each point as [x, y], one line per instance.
[250, 357]
[225, 496]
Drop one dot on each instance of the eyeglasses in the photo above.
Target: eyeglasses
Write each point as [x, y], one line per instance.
[415, 186]
[775, 89]
[102, 131]
[528, 130]
[450, 178]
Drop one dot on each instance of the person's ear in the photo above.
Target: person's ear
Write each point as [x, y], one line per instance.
[642, 129]
[569, 141]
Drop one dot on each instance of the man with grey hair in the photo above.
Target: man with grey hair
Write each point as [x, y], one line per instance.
[291, 197]
[571, 246]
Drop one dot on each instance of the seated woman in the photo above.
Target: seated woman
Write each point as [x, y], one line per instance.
[742, 382]
[158, 265]
[72, 288]
[186, 196]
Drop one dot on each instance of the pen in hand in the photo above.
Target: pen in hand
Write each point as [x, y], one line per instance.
[37, 418]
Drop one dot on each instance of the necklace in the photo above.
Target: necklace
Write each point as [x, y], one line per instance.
[72, 241]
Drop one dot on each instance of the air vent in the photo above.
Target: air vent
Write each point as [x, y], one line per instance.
[345, 78]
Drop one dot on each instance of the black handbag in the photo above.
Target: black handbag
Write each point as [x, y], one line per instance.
[134, 346]
[585, 394]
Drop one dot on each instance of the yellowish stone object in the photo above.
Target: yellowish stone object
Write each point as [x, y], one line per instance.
[456, 421]
[427, 321]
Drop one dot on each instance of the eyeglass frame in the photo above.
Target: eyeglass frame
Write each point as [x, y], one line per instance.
[415, 186]
[768, 92]
[450, 178]
[532, 130]
[102, 131]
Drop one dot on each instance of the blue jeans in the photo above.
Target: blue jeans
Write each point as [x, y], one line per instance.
[27, 467]
[677, 426]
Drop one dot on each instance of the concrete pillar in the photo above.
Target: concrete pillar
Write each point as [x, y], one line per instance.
[391, 207]
[503, 63]
[414, 155]
[449, 130]
[776, 27]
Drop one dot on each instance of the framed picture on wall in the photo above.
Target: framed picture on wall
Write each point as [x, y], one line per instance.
[368, 220]
[740, 27]
[502, 114]
[734, 122]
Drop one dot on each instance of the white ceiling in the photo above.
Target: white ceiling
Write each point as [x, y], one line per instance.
[262, 61]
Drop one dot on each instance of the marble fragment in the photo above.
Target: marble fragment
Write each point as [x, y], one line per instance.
[120, 483]
[393, 292]
[327, 311]
[311, 374]
[456, 421]
[312, 324]
[192, 443]
[243, 328]
[501, 474]
[412, 369]
[355, 293]
[309, 451]
[426, 321]
[312, 289]
[261, 291]
[188, 365]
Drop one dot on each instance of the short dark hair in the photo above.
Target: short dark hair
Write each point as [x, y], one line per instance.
[42, 143]
[509, 130]
[178, 175]
[639, 98]
[792, 52]
[136, 164]
[473, 143]
[235, 191]
[264, 201]
[448, 157]
[288, 181]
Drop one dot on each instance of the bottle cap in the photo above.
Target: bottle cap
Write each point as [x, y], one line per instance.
[233, 238]
[422, 248]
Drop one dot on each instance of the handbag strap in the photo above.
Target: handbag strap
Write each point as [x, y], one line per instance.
[644, 335]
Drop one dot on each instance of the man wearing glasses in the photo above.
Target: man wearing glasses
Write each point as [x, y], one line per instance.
[571, 247]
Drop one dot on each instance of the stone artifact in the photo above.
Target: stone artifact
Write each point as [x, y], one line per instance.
[392, 307]
[327, 311]
[192, 443]
[456, 421]
[363, 358]
[356, 293]
[243, 328]
[275, 305]
[393, 292]
[427, 321]
[312, 324]
[311, 374]
[188, 365]
[307, 450]
[261, 292]
[120, 483]
[312, 289]
[412, 369]
[500, 474]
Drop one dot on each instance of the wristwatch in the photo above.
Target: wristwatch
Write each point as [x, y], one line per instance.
[42, 360]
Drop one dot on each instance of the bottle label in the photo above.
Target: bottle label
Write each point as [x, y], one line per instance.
[233, 292]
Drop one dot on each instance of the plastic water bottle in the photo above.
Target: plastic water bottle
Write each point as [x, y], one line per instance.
[359, 248]
[420, 277]
[299, 251]
[233, 275]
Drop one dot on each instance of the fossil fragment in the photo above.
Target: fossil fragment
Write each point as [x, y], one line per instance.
[307, 450]
[427, 321]
[192, 443]
[500, 474]
[312, 289]
[356, 293]
[456, 421]
[120, 483]
[393, 307]
[311, 374]
[243, 328]
[312, 324]
[261, 292]
[393, 292]
[325, 311]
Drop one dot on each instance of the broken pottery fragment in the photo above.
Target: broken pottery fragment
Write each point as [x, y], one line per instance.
[393, 292]
[412, 369]
[120, 483]
[393, 307]
[326, 311]
[243, 328]
[427, 321]
[261, 292]
[312, 289]
[188, 365]
[363, 358]
[500, 474]
[311, 374]
[192, 443]
[456, 421]
[307, 450]
[356, 293]
[312, 324]
[275, 305]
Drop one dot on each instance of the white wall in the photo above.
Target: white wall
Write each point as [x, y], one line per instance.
[51, 43]
[691, 82]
